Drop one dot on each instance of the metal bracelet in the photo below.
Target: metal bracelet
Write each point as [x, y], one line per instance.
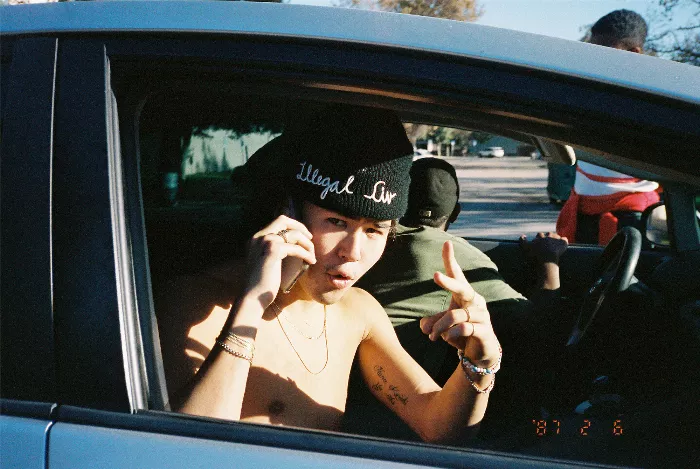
[238, 341]
[228, 349]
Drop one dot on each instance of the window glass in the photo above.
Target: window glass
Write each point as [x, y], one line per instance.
[191, 148]
[5, 63]
[507, 189]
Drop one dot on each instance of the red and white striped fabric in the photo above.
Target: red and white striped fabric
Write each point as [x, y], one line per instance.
[600, 191]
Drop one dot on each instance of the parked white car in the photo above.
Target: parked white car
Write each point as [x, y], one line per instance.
[492, 152]
[421, 153]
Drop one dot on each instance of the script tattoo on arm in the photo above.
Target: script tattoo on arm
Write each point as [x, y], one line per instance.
[380, 372]
[397, 394]
[394, 395]
[378, 386]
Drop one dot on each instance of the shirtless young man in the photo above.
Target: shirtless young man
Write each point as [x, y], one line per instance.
[285, 357]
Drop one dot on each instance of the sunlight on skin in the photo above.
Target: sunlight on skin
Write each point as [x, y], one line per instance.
[206, 331]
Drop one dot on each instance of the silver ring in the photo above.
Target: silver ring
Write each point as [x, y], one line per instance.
[283, 234]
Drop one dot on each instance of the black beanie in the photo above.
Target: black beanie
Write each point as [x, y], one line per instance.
[351, 160]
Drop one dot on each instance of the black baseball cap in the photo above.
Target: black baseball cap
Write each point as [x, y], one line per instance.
[434, 189]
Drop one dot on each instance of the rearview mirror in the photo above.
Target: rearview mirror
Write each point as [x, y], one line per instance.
[555, 152]
[656, 226]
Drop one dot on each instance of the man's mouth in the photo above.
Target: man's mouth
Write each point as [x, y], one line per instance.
[340, 279]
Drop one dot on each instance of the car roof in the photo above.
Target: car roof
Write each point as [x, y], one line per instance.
[570, 58]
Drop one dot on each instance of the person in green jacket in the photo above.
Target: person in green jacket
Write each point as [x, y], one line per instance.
[402, 280]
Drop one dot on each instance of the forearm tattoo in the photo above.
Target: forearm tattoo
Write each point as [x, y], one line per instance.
[394, 394]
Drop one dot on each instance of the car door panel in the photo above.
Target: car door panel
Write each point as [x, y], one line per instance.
[23, 441]
[24, 427]
[87, 438]
[79, 446]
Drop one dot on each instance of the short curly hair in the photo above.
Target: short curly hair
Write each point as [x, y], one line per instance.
[620, 28]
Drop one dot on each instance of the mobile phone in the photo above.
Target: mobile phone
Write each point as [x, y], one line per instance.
[292, 267]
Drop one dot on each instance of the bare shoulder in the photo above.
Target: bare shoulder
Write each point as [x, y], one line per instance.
[362, 301]
[365, 309]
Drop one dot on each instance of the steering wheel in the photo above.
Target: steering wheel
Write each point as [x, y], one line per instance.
[617, 265]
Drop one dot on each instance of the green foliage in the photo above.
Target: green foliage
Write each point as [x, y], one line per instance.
[480, 136]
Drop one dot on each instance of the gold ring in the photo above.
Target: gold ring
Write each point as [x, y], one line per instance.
[283, 234]
[469, 315]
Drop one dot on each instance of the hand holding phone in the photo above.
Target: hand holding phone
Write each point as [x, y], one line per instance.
[289, 280]
[292, 267]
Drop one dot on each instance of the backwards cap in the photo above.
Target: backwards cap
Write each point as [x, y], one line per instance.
[351, 160]
[434, 189]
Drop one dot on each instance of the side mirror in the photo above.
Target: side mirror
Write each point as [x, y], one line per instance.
[655, 225]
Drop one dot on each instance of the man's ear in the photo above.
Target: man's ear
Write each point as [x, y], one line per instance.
[455, 213]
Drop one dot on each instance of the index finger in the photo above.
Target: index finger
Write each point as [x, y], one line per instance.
[452, 268]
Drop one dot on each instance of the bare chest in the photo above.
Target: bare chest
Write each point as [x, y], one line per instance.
[299, 381]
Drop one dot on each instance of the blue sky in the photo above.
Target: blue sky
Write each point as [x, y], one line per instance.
[558, 18]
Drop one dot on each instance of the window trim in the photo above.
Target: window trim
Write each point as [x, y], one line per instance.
[28, 359]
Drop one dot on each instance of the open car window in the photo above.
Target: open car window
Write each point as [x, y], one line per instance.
[198, 214]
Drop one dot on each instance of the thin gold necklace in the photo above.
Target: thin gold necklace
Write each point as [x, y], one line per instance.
[302, 333]
[279, 312]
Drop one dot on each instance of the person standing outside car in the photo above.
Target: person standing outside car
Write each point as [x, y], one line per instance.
[602, 200]
[285, 357]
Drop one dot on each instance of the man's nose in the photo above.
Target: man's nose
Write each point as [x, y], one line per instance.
[351, 247]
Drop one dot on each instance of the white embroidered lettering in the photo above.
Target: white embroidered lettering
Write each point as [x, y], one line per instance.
[329, 187]
[383, 197]
[347, 185]
[317, 179]
[299, 176]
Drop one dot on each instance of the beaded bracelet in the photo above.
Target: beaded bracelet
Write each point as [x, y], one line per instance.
[223, 345]
[468, 365]
[476, 388]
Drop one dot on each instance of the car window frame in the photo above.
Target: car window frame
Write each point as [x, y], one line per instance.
[87, 310]
[28, 328]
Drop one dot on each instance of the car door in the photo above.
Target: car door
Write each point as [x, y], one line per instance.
[108, 400]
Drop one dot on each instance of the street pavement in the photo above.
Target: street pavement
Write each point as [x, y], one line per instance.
[503, 198]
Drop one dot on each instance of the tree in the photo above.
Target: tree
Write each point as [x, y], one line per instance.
[461, 10]
[669, 37]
